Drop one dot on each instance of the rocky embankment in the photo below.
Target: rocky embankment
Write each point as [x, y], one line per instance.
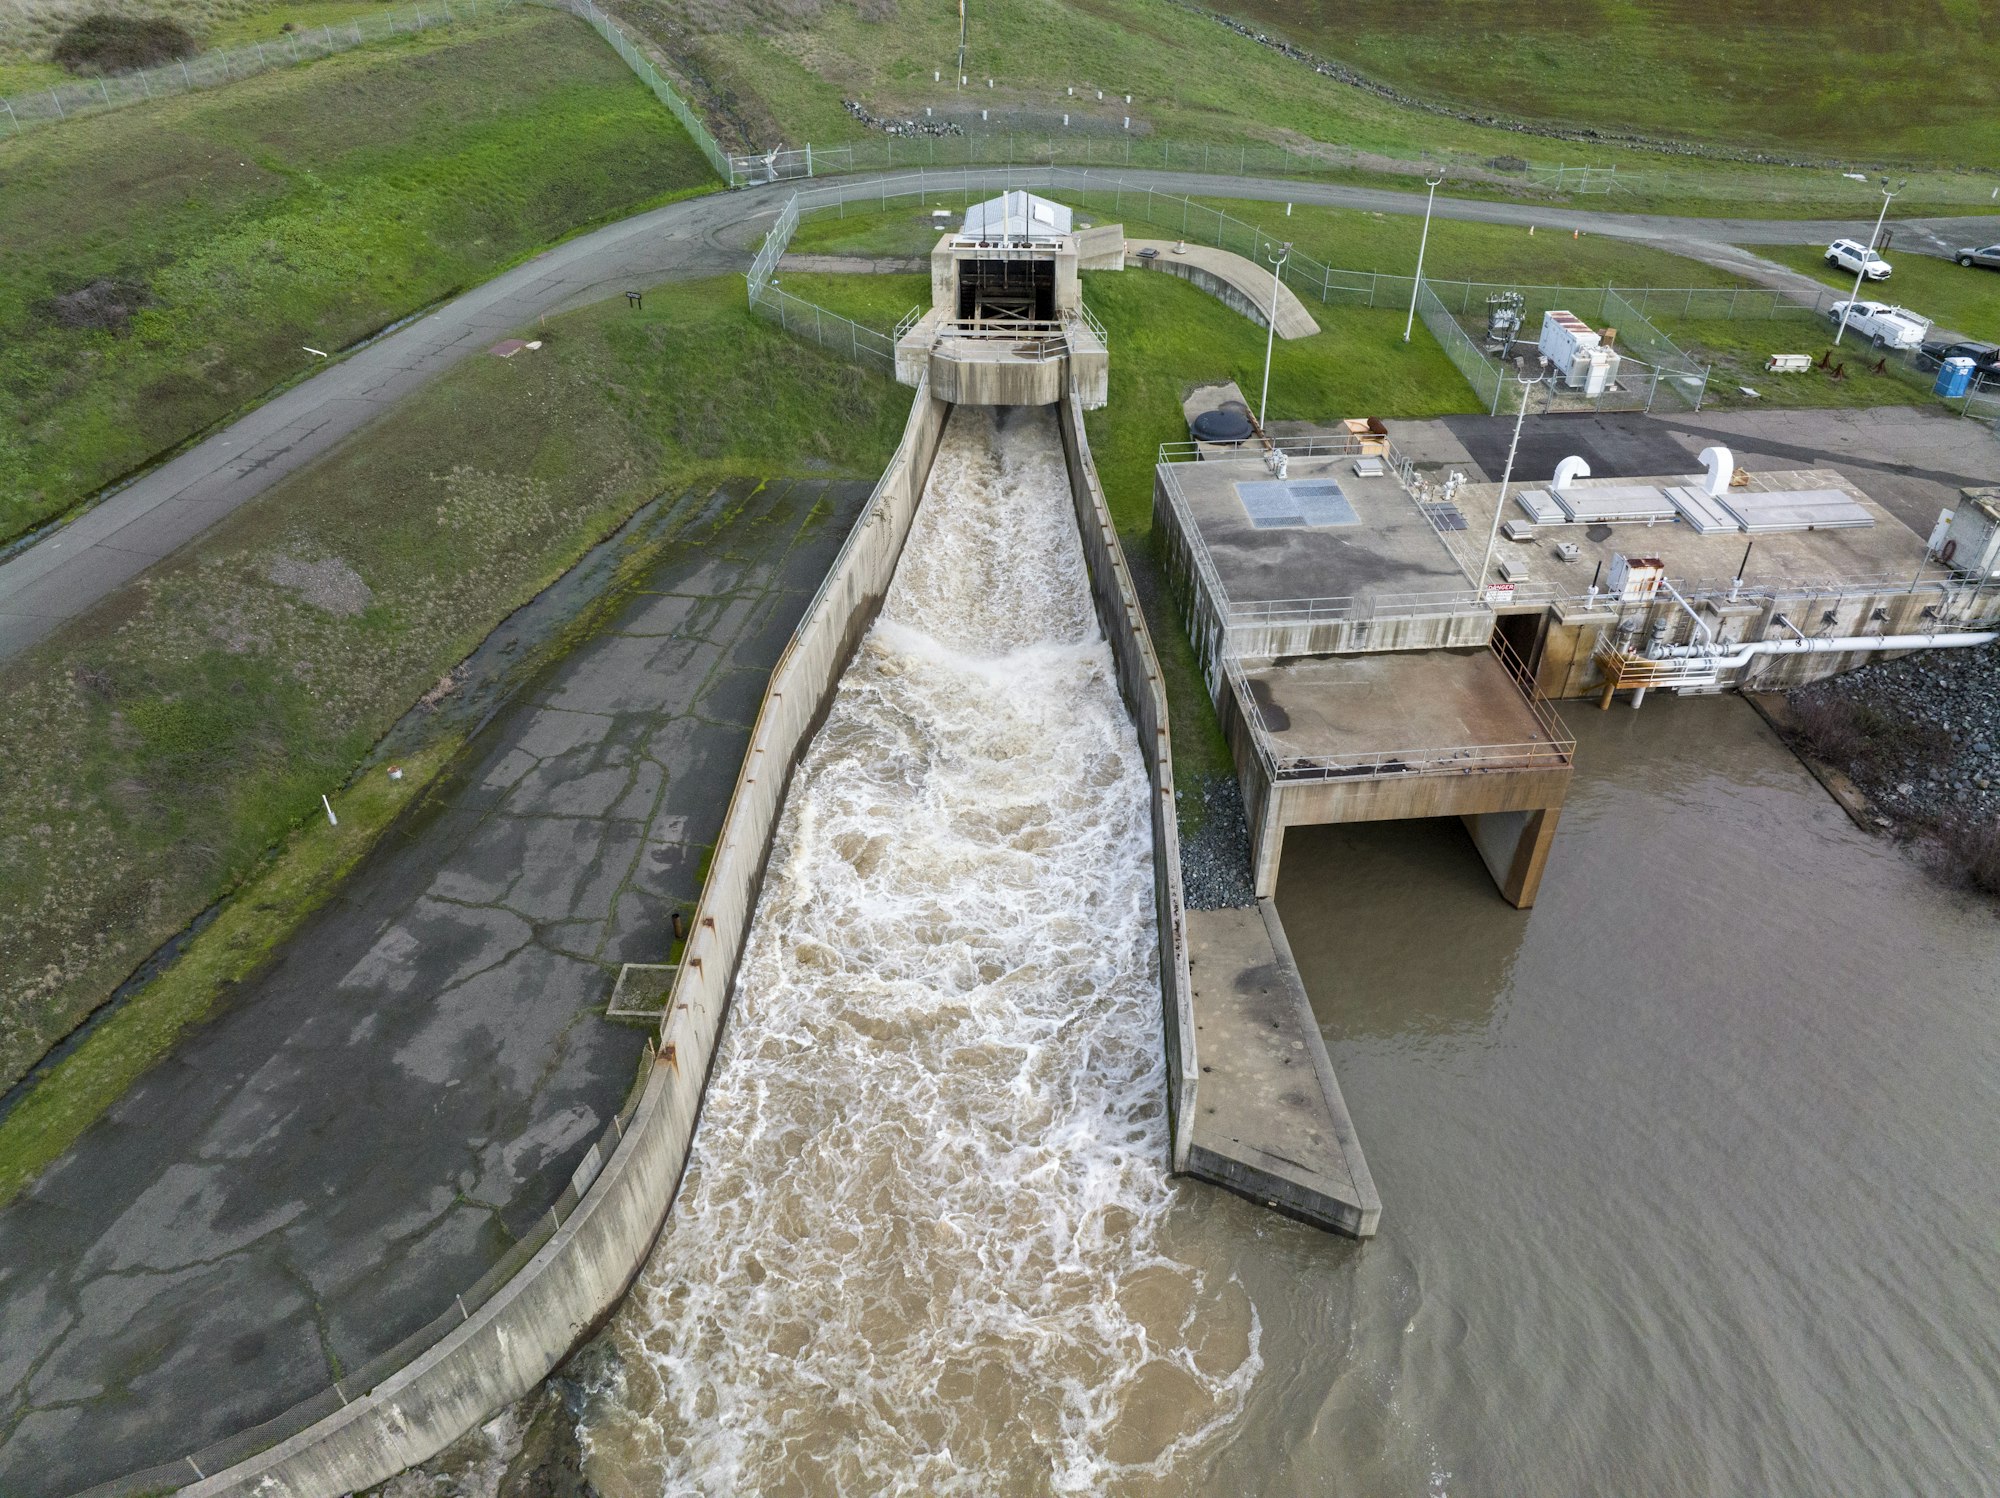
[1215, 860]
[1920, 738]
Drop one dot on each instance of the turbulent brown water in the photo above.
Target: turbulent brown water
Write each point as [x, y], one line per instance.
[1689, 1174]
[917, 1246]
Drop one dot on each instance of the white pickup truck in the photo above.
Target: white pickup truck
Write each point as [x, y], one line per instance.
[1881, 324]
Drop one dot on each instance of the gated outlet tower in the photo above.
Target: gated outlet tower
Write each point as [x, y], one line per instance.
[1007, 325]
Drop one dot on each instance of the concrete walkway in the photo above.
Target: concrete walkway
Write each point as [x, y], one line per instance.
[1241, 285]
[373, 1120]
[73, 567]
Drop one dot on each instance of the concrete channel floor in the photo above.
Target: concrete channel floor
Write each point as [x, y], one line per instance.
[318, 1170]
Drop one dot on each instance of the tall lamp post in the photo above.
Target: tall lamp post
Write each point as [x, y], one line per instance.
[1271, 329]
[1411, 321]
[1846, 312]
[1528, 382]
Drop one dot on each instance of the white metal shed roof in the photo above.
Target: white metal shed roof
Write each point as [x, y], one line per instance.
[1016, 215]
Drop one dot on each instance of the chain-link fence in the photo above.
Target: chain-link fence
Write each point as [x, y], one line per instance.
[1766, 187]
[842, 335]
[226, 65]
[1482, 373]
[650, 75]
[1686, 377]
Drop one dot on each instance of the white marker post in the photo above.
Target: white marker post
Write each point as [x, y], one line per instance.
[332, 820]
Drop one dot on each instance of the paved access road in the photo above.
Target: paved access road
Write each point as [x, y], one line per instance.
[109, 544]
[372, 1120]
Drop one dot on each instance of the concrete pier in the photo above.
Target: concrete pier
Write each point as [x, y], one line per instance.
[1270, 1123]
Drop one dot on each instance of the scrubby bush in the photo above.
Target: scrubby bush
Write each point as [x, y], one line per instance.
[106, 43]
[1970, 847]
[1861, 737]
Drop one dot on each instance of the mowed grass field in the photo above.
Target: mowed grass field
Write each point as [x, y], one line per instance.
[153, 753]
[1964, 298]
[163, 265]
[1916, 80]
[1736, 352]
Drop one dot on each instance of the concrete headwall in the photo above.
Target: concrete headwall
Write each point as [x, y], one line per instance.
[513, 1341]
[1146, 695]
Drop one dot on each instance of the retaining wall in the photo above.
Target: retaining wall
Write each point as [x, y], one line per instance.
[1145, 694]
[519, 1336]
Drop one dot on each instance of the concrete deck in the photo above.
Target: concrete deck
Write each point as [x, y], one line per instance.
[1394, 706]
[320, 1169]
[1270, 1123]
[1887, 549]
[1909, 459]
[1393, 551]
[1241, 285]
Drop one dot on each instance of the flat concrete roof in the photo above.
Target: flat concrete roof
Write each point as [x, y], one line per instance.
[1412, 705]
[1887, 549]
[1392, 549]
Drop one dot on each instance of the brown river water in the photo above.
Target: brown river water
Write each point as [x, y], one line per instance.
[1689, 1175]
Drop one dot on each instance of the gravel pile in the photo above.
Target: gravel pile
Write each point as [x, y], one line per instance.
[1215, 862]
[1925, 734]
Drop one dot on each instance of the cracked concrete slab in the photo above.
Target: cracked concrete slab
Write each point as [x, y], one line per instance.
[370, 1121]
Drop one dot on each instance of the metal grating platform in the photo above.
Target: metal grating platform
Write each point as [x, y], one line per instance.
[1301, 502]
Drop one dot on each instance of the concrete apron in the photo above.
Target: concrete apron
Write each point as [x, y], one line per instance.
[519, 1336]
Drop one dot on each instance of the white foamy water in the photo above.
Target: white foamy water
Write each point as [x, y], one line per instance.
[916, 1250]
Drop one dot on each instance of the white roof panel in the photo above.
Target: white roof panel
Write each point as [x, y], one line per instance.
[1016, 215]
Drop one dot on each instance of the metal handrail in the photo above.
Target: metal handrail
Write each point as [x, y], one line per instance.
[910, 319]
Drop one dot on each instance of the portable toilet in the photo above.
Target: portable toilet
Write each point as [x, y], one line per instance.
[1954, 377]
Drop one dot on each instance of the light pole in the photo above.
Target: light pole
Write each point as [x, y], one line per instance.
[1528, 382]
[1411, 321]
[1271, 330]
[1846, 312]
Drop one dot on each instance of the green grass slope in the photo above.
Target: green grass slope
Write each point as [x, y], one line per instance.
[164, 264]
[1814, 81]
[151, 754]
[1919, 79]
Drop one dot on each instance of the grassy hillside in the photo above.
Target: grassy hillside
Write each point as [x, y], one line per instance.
[152, 753]
[772, 71]
[164, 264]
[1919, 79]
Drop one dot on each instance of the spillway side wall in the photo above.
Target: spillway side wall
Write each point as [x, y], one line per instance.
[1145, 695]
[518, 1337]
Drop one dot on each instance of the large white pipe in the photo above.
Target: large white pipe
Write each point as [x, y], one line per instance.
[1837, 646]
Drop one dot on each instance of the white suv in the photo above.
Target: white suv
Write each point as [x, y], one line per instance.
[1881, 324]
[1852, 254]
